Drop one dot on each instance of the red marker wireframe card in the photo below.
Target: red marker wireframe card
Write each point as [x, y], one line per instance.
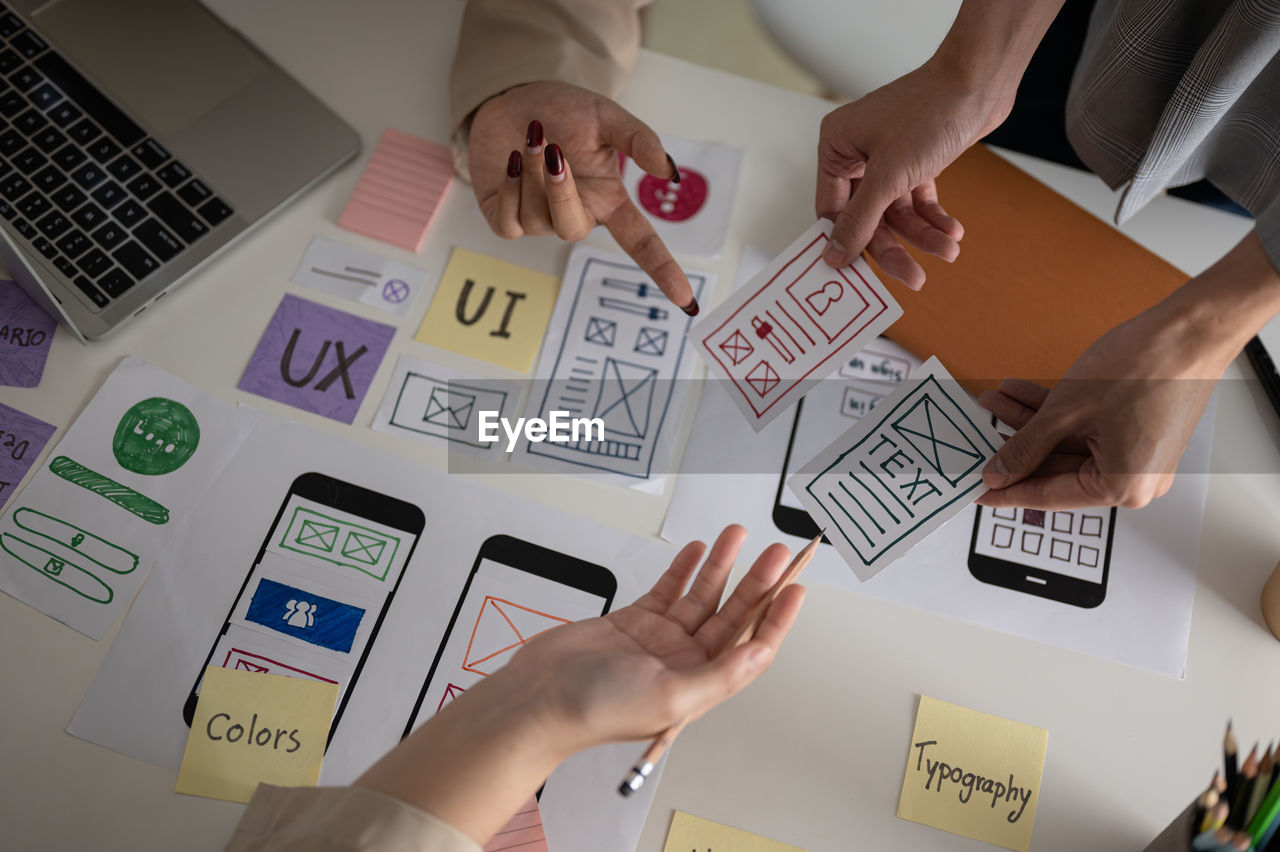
[792, 325]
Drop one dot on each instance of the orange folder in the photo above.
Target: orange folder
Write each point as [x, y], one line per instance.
[1038, 279]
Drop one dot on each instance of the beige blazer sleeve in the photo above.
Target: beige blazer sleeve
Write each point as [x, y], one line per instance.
[340, 819]
[505, 43]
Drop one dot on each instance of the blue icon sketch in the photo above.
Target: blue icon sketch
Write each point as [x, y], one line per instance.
[602, 331]
[651, 341]
[304, 615]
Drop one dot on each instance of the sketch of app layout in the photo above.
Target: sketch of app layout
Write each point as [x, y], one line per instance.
[793, 324]
[313, 600]
[427, 402]
[901, 472]
[617, 355]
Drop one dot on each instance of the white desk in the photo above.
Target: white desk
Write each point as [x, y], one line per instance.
[812, 754]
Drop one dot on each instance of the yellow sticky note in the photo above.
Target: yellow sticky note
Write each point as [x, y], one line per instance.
[490, 309]
[974, 774]
[689, 832]
[249, 728]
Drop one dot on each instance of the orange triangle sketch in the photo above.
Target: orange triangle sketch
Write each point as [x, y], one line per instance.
[493, 608]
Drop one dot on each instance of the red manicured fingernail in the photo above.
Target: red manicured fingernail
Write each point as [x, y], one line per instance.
[533, 137]
[513, 165]
[555, 160]
[675, 173]
[692, 308]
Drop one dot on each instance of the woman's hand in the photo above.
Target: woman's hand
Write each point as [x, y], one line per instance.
[544, 159]
[627, 675]
[663, 659]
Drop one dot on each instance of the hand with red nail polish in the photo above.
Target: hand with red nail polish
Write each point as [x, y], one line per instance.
[544, 159]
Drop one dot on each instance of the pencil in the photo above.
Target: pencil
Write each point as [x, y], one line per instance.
[1216, 818]
[1204, 807]
[644, 767]
[1244, 789]
[1262, 786]
[1229, 749]
[1264, 822]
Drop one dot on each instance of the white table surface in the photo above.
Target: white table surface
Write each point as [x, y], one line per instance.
[812, 754]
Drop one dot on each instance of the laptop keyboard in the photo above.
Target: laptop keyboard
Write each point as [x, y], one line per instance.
[81, 182]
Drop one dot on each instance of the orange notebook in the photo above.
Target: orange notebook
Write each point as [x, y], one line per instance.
[1038, 279]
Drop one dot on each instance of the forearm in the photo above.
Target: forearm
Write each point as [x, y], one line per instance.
[477, 760]
[990, 44]
[505, 43]
[1226, 305]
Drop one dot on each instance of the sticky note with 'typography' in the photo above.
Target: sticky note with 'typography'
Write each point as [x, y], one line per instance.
[973, 774]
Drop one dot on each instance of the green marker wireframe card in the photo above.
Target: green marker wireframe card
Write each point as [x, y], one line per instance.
[901, 472]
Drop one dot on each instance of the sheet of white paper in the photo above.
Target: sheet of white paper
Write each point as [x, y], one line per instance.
[615, 351]
[162, 646]
[792, 325]
[901, 472]
[438, 405]
[731, 474]
[80, 538]
[692, 216]
[360, 275]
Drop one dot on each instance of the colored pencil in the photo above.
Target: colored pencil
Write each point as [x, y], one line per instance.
[1204, 807]
[1229, 749]
[1262, 786]
[636, 777]
[1264, 822]
[1244, 790]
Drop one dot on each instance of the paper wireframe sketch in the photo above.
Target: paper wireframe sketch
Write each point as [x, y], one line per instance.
[792, 325]
[360, 275]
[616, 352]
[900, 472]
[78, 540]
[691, 216]
[434, 404]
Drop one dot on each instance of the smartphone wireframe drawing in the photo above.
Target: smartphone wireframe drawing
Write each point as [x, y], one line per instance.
[315, 597]
[516, 590]
[1063, 556]
[827, 411]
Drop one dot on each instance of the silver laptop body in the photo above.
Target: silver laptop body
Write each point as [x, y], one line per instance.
[138, 139]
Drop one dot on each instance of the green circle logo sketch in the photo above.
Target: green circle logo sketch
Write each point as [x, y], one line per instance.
[155, 437]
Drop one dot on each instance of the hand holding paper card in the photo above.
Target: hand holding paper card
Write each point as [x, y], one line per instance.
[252, 728]
[901, 472]
[974, 774]
[792, 325]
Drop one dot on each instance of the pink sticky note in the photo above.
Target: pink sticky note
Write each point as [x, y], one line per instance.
[399, 191]
[523, 831]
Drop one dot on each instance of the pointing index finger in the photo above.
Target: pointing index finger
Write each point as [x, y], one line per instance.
[637, 238]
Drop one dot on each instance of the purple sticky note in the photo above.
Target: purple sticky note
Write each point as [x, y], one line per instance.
[22, 437]
[317, 358]
[26, 333]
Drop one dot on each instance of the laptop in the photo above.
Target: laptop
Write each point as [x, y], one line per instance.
[138, 140]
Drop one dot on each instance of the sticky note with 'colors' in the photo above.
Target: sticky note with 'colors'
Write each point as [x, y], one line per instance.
[399, 191]
[252, 728]
[973, 774]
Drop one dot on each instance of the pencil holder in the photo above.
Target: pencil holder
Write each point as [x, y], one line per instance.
[1271, 602]
[1177, 836]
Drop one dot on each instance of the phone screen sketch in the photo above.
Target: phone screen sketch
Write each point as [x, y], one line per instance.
[1064, 556]
[314, 598]
[515, 592]
[827, 411]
